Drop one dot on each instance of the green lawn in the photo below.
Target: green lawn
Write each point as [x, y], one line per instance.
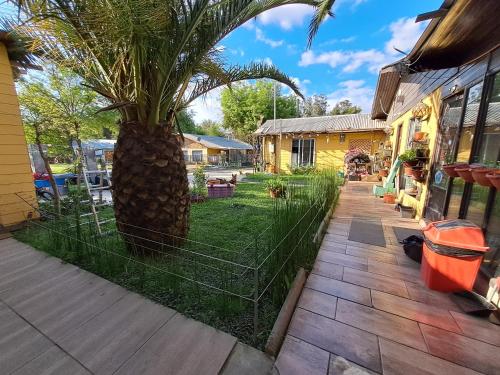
[61, 168]
[232, 222]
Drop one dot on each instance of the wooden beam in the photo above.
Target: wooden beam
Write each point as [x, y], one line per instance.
[431, 15]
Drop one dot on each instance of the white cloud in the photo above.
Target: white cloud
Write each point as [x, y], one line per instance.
[301, 84]
[355, 91]
[259, 35]
[350, 60]
[404, 34]
[287, 16]
[207, 107]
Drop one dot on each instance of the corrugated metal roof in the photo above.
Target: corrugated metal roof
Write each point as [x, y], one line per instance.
[324, 124]
[218, 142]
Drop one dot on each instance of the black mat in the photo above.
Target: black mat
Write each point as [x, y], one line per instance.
[370, 231]
[402, 233]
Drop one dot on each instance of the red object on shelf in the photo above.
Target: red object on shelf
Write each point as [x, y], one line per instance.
[494, 178]
[449, 169]
[452, 253]
[479, 175]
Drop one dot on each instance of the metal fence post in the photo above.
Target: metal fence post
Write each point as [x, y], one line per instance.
[256, 293]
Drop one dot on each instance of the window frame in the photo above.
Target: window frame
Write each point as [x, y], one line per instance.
[300, 152]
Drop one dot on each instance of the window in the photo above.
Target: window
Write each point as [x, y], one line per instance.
[186, 155]
[414, 126]
[490, 141]
[197, 156]
[302, 152]
[492, 258]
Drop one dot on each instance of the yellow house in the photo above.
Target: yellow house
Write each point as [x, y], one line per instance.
[321, 142]
[448, 87]
[215, 150]
[16, 179]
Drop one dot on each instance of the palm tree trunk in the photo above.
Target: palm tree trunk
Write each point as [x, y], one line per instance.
[150, 188]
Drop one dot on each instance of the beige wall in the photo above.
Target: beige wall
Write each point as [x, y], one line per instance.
[15, 167]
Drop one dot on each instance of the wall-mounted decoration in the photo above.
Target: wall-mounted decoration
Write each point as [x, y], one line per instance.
[421, 111]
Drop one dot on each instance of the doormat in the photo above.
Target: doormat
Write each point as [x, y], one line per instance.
[402, 233]
[370, 232]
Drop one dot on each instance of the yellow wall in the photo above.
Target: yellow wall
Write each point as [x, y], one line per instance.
[329, 151]
[430, 126]
[15, 168]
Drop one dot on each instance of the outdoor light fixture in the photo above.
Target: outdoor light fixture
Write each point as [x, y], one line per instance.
[342, 137]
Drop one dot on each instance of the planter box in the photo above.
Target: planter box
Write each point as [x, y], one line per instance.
[407, 212]
[494, 178]
[220, 190]
[479, 175]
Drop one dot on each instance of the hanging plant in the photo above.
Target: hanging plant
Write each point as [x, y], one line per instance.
[421, 111]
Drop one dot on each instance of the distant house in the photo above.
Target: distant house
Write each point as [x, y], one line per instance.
[215, 150]
[317, 141]
[16, 180]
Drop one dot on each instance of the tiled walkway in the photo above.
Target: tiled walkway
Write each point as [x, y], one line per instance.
[367, 304]
[58, 319]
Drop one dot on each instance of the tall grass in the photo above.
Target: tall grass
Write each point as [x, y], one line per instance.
[216, 285]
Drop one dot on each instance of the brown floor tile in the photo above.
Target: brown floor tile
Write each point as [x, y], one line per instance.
[403, 260]
[298, 357]
[383, 324]
[410, 309]
[371, 254]
[478, 328]
[343, 259]
[386, 250]
[333, 271]
[395, 271]
[375, 281]
[398, 359]
[317, 302]
[431, 297]
[335, 238]
[465, 351]
[341, 366]
[340, 289]
[333, 247]
[351, 343]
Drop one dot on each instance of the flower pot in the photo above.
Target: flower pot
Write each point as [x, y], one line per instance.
[479, 175]
[409, 171]
[276, 193]
[464, 171]
[418, 136]
[410, 163]
[449, 169]
[494, 177]
[383, 173]
[418, 174]
[389, 198]
[387, 163]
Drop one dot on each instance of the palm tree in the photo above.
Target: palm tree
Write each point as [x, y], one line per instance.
[150, 59]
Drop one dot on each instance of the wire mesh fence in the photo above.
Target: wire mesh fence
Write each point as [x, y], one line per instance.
[239, 290]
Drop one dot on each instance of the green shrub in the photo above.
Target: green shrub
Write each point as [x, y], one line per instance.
[200, 181]
[302, 170]
[276, 185]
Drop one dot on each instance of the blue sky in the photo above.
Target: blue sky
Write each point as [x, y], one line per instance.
[345, 57]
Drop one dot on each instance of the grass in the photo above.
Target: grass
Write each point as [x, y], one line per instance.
[61, 168]
[254, 230]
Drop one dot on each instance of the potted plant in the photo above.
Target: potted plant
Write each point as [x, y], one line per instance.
[409, 158]
[418, 174]
[494, 177]
[383, 173]
[449, 165]
[276, 187]
[419, 136]
[389, 198]
[387, 163]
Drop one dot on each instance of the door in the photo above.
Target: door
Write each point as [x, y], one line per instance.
[445, 152]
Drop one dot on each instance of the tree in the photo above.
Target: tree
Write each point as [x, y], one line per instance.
[71, 108]
[39, 127]
[209, 127]
[150, 59]
[314, 106]
[243, 106]
[185, 122]
[345, 107]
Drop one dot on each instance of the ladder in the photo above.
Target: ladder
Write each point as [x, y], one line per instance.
[104, 184]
